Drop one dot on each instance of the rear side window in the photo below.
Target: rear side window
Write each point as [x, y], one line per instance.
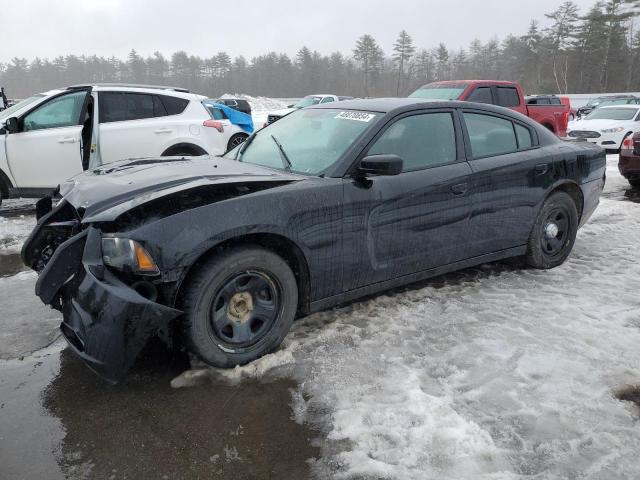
[556, 101]
[174, 105]
[508, 97]
[327, 100]
[490, 135]
[481, 95]
[422, 141]
[524, 136]
[120, 106]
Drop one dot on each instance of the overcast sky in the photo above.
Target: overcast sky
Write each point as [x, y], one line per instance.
[48, 28]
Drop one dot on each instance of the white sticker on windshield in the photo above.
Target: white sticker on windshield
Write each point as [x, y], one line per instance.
[358, 116]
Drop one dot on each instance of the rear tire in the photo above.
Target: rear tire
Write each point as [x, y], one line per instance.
[554, 232]
[236, 140]
[239, 306]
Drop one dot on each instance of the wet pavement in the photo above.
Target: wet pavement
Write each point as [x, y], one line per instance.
[59, 420]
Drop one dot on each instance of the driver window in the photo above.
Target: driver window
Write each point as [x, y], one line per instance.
[62, 111]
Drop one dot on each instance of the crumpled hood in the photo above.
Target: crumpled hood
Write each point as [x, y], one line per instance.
[114, 188]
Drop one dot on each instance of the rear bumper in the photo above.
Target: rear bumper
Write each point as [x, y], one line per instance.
[105, 322]
[629, 166]
[591, 192]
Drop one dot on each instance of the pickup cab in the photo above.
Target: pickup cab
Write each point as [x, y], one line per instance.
[504, 94]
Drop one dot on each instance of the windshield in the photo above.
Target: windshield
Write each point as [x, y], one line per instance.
[312, 140]
[11, 110]
[618, 101]
[440, 92]
[308, 101]
[612, 114]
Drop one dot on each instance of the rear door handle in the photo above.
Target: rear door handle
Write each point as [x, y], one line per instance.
[163, 130]
[67, 140]
[542, 168]
[460, 189]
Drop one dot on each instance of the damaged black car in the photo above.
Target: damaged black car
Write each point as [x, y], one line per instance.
[333, 202]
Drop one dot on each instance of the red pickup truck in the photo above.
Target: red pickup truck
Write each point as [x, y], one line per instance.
[505, 94]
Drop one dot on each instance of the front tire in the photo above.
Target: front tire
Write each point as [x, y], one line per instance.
[239, 306]
[554, 232]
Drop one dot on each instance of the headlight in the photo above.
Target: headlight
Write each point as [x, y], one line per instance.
[126, 254]
[612, 130]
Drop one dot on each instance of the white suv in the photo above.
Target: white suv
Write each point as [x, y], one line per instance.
[50, 137]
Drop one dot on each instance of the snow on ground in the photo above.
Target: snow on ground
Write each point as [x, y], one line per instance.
[13, 232]
[498, 372]
[260, 106]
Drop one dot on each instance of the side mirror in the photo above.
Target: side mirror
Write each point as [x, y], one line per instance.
[11, 125]
[290, 106]
[388, 164]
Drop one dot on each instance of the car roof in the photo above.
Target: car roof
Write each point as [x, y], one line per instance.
[460, 82]
[126, 87]
[397, 105]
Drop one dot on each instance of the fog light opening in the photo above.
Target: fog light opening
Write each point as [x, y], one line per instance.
[146, 289]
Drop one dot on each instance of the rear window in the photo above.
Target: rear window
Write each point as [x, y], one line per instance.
[508, 97]
[174, 105]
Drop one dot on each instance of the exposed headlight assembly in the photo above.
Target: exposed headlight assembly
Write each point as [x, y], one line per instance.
[612, 130]
[127, 255]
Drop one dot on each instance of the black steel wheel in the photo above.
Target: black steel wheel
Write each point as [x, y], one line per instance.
[245, 308]
[554, 232]
[238, 306]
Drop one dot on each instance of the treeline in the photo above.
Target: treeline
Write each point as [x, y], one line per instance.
[578, 52]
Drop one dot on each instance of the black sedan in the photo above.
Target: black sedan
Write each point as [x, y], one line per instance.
[331, 203]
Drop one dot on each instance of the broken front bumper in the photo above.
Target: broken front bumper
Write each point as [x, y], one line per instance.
[106, 322]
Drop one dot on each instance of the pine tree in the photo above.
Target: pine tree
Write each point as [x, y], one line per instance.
[370, 55]
[404, 50]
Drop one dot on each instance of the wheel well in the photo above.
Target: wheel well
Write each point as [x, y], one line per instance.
[279, 245]
[182, 147]
[5, 184]
[574, 192]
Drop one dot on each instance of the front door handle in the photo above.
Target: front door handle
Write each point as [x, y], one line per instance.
[542, 168]
[460, 189]
[67, 140]
[163, 130]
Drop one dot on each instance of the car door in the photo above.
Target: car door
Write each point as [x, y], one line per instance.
[510, 175]
[414, 221]
[47, 149]
[131, 125]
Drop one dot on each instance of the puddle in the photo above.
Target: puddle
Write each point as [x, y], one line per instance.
[10, 264]
[144, 428]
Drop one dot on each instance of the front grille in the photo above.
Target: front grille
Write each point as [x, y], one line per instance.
[273, 118]
[584, 134]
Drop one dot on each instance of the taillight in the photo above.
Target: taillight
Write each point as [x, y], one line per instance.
[215, 124]
[627, 144]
